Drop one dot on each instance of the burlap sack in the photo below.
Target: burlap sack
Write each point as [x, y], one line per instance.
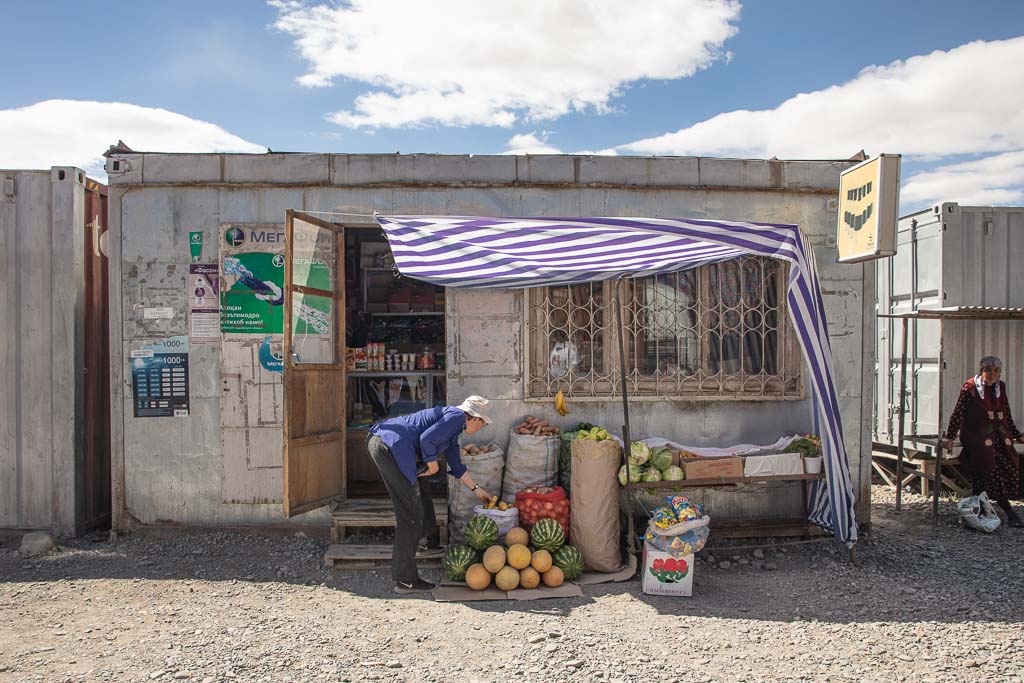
[594, 513]
[486, 471]
[532, 461]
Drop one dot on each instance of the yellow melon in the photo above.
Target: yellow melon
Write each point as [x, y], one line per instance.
[529, 578]
[507, 579]
[519, 556]
[517, 536]
[494, 558]
[541, 561]
[553, 577]
[477, 577]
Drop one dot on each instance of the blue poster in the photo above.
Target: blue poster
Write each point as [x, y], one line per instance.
[160, 378]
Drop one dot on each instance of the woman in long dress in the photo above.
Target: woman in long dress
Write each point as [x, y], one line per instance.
[983, 422]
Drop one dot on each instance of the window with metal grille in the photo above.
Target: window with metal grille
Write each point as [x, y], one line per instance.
[715, 332]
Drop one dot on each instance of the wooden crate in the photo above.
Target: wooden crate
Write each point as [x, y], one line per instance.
[345, 556]
[377, 512]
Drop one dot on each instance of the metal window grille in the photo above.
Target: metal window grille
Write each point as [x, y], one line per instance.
[719, 332]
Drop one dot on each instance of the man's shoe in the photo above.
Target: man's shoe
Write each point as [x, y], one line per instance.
[417, 586]
[427, 546]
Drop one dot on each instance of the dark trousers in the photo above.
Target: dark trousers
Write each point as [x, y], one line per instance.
[414, 511]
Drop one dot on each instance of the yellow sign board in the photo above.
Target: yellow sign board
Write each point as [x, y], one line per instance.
[868, 209]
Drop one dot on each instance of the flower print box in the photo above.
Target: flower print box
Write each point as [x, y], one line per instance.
[666, 575]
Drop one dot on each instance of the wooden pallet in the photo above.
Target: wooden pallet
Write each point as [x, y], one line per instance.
[343, 556]
[377, 512]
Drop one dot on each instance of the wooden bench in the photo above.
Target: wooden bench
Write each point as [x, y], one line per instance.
[377, 512]
[352, 556]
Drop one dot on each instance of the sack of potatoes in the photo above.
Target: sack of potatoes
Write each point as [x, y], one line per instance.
[533, 426]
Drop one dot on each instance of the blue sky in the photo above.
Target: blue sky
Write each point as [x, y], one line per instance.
[664, 77]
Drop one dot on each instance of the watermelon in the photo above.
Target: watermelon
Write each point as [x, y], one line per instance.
[661, 458]
[457, 560]
[570, 561]
[673, 473]
[481, 532]
[547, 535]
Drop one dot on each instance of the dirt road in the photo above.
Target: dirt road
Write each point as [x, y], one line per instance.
[928, 603]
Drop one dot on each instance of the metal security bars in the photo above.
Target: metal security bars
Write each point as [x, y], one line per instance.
[719, 332]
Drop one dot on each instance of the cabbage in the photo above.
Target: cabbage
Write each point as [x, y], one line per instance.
[639, 453]
[673, 473]
[634, 474]
[651, 474]
[661, 457]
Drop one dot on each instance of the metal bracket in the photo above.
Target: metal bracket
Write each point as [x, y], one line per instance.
[9, 187]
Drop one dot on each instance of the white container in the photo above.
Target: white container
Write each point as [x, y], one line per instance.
[812, 465]
[657, 580]
[774, 465]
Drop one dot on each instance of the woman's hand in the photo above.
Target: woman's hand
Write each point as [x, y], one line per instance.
[482, 495]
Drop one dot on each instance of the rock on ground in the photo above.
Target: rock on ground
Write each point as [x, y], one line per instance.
[37, 543]
[930, 602]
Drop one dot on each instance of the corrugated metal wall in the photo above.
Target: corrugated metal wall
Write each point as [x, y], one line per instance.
[43, 240]
[948, 255]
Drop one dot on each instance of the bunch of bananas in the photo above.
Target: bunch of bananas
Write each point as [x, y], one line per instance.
[560, 405]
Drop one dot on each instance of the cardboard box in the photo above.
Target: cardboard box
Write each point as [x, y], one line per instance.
[666, 575]
[398, 308]
[774, 465]
[377, 295]
[728, 467]
[372, 307]
[381, 279]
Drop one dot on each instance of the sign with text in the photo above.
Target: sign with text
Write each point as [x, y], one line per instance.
[868, 209]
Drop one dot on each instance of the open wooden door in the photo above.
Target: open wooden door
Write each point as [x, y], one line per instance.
[314, 363]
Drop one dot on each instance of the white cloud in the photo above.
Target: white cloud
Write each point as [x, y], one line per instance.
[530, 143]
[943, 105]
[76, 133]
[964, 101]
[997, 180]
[465, 62]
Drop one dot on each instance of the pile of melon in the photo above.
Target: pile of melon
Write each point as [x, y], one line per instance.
[525, 560]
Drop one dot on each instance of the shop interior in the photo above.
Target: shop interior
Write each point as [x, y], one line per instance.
[395, 350]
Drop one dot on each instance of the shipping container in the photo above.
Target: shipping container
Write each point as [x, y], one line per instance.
[54, 352]
[947, 255]
[213, 455]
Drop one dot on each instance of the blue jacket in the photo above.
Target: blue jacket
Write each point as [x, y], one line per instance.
[421, 436]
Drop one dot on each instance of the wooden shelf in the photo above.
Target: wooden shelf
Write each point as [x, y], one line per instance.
[405, 315]
[345, 556]
[396, 373]
[722, 481]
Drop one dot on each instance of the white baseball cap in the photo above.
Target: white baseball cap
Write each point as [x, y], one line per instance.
[477, 407]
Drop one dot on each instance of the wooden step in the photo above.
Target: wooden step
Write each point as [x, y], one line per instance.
[376, 512]
[351, 556]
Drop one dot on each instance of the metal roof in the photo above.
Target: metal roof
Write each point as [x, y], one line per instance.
[963, 313]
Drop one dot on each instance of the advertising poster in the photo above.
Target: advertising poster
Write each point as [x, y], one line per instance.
[252, 281]
[160, 378]
[203, 291]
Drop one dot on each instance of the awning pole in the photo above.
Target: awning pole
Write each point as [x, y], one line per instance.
[902, 418]
[938, 423]
[617, 303]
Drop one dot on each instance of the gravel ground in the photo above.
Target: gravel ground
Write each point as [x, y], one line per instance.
[929, 602]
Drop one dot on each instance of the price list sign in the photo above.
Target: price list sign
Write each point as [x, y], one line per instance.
[160, 378]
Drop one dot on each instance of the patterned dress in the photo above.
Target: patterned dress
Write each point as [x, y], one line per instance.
[987, 433]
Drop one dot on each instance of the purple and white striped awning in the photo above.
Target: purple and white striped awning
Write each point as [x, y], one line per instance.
[473, 251]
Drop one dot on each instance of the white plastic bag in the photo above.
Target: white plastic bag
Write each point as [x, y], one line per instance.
[977, 512]
[505, 519]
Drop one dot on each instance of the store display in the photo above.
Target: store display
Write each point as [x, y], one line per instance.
[512, 565]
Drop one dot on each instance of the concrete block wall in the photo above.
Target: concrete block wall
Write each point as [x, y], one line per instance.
[180, 476]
